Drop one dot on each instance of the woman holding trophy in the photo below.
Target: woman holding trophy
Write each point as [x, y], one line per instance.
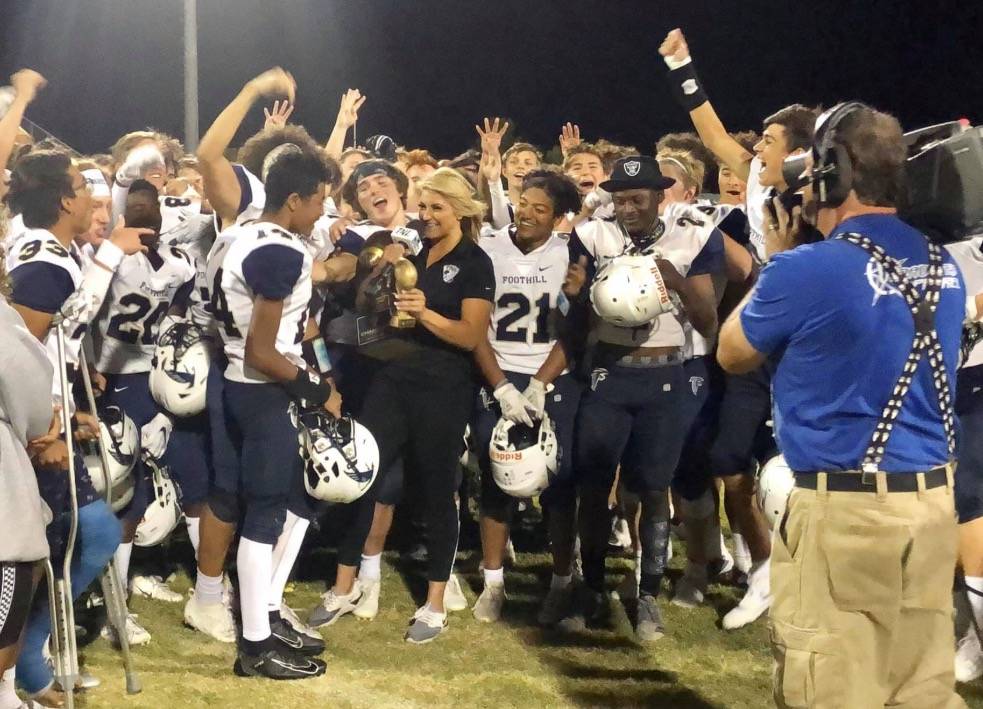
[419, 402]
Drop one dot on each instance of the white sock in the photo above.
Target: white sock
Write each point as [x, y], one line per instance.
[495, 577]
[255, 568]
[638, 566]
[742, 555]
[975, 583]
[371, 567]
[8, 693]
[208, 589]
[193, 524]
[560, 581]
[122, 556]
[284, 555]
[759, 577]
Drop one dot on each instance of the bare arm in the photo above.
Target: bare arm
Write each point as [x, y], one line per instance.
[697, 295]
[554, 364]
[26, 83]
[36, 321]
[484, 357]
[708, 125]
[221, 185]
[351, 101]
[734, 352]
[465, 333]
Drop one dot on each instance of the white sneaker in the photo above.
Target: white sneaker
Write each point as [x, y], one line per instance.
[425, 625]
[135, 633]
[154, 587]
[368, 607]
[488, 607]
[721, 560]
[969, 656]
[213, 619]
[756, 601]
[742, 555]
[293, 620]
[620, 536]
[690, 588]
[87, 680]
[454, 598]
[333, 606]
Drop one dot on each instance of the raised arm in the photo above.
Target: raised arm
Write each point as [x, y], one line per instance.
[351, 101]
[688, 90]
[221, 184]
[26, 83]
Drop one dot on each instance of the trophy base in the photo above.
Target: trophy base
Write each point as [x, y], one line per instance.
[402, 321]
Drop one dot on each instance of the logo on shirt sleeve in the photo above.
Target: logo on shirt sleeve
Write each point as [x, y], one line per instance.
[450, 272]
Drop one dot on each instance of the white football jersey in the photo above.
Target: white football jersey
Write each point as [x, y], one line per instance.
[45, 275]
[528, 299]
[140, 295]
[968, 255]
[262, 259]
[755, 209]
[183, 225]
[253, 199]
[685, 241]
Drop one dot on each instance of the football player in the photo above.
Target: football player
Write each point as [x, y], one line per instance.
[747, 398]
[632, 413]
[261, 302]
[147, 288]
[531, 262]
[48, 283]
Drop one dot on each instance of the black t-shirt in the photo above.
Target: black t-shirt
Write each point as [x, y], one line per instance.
[464, 272]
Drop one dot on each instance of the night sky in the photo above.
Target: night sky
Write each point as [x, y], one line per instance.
[432, 68]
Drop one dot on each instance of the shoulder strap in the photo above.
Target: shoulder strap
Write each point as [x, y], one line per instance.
[926, 341]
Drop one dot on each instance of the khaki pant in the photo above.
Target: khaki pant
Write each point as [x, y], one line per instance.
[861, 615]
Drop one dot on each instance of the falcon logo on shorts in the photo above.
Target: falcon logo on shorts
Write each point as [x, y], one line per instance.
[486, 398]
[450, 271]
[632, 167]
[596, 377]
[695, 383]
[689, 87]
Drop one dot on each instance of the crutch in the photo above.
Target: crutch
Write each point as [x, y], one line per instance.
[63, 647]
[112, 584]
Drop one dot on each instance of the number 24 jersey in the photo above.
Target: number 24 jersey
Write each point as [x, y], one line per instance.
[258, 259]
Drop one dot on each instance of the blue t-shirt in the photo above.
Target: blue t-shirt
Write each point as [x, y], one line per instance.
[841, 334]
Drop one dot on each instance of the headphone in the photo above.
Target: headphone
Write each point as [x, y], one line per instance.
[832, 170]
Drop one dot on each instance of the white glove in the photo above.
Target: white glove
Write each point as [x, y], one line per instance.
[515, 407]
[597, 198]
[155, 434]
[137, 163]
[535, 394]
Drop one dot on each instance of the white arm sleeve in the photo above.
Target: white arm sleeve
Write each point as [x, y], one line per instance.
[82, 306]
[500, 215]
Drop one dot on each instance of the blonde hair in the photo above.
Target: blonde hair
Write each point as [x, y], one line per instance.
[455, 188]
[692, 168]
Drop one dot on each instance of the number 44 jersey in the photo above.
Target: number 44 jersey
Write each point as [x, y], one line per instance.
[529, 302]
[143, 290]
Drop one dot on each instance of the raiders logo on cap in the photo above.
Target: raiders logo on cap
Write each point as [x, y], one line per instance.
[636, 172]
[632, 167]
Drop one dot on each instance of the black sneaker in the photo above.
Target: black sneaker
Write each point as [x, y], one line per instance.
[293, 642]
[589, 609]
[276, 664]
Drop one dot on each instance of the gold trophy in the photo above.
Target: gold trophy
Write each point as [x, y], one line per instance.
[404, 279]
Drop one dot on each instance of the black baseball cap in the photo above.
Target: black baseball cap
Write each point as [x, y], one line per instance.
[636, 172]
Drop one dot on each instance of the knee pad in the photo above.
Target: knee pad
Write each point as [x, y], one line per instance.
[700, 508]
[224, 505]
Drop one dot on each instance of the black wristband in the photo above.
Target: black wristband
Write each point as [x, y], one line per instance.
[308, 388]
[686, 87]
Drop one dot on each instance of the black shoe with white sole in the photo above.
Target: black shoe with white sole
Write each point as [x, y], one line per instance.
[294, 642]
[277, 664]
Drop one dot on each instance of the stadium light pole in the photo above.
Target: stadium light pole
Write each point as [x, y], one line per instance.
[191, 74]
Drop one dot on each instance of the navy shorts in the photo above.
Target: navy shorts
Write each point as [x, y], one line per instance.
[270, 469]
[561, 406]
[632, 416]
[969, 471]
[704, 389]
[224, 454]
[131, 393]
[743, 435]
[53, 486]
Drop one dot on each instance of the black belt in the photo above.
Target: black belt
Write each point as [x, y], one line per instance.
[867, 482]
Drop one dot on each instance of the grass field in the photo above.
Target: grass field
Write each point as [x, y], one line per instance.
[513, 663]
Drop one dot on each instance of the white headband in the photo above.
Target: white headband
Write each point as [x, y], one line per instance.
[96, 181]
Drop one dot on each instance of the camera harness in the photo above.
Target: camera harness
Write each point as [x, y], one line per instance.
[833, 175]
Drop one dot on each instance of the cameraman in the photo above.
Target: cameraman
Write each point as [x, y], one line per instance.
[863, 558]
